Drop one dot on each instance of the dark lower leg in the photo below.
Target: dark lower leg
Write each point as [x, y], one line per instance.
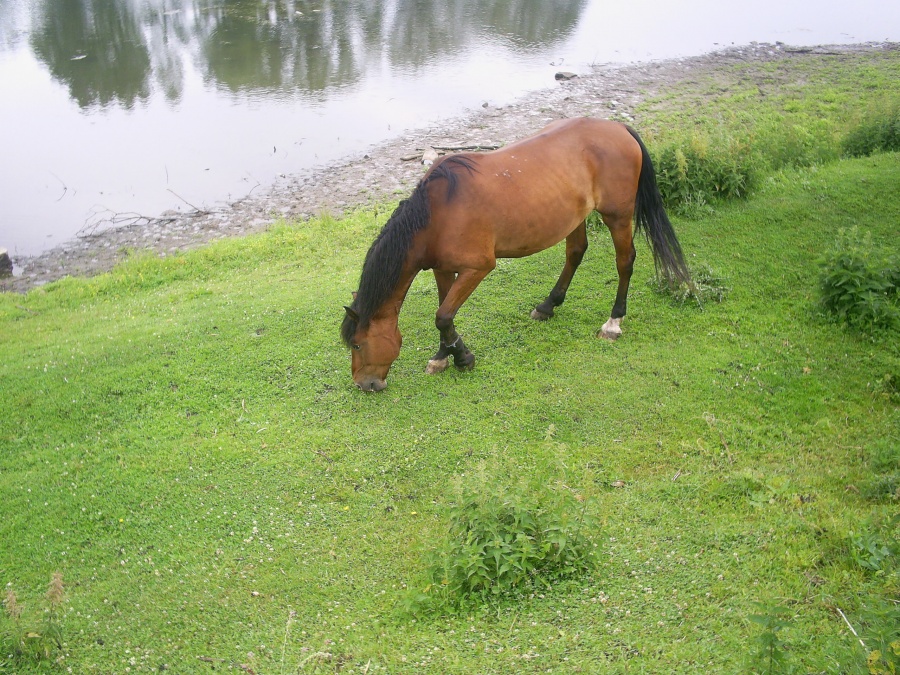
[452, 345]
[453, 290]
[623, 240]
[576, 245]
[625, 266]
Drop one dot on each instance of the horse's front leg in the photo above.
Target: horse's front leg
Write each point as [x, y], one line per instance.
[441, 360]
[453, 291]
[623, 241]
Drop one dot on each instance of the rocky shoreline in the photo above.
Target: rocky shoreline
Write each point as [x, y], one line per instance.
[384, 172]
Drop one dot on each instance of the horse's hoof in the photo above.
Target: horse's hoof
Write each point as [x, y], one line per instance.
[611, 330]
[465, 361]
[436, 366]
[538, 315]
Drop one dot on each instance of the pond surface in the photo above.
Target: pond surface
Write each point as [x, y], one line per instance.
[140, 106]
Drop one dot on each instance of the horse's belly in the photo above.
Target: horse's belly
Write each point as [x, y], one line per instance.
[524, 239]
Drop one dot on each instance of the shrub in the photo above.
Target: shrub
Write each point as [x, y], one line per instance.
[858, 285]
[702, 171]
[879, 133]
[504, 540]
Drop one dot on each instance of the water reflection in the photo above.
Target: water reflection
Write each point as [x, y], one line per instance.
[96, 48]
[118, 51]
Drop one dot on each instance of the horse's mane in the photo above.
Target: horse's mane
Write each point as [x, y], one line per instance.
[384, 261]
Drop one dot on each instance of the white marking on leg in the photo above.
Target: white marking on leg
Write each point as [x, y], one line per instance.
[436, 366]
[611, 329]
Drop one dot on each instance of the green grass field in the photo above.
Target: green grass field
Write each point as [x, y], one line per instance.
[182, 441]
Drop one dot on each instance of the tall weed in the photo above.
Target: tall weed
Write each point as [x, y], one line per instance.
[769, 655]
[25, 639]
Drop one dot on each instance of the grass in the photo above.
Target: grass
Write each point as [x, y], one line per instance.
[183, 444]
[760, 117]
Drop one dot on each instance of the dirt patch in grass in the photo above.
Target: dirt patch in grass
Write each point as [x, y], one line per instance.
[381, 174]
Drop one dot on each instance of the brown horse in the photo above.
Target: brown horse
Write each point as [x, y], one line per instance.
[470, 209]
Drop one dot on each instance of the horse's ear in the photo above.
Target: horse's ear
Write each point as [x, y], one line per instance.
[351, 313]
[353, 293]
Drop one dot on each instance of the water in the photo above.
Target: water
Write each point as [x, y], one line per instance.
[140, 106]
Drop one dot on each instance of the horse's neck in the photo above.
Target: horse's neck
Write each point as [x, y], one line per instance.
[391, 307]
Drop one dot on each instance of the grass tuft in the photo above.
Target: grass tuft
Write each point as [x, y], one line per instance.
[706, 285]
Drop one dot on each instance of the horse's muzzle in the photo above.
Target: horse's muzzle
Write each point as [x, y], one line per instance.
[372, 384]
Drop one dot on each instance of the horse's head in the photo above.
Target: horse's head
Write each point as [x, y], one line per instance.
[373, 349]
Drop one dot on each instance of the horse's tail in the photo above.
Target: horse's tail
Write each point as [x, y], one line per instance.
[650, 216]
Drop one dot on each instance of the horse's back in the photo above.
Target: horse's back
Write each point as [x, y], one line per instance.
[532, 193]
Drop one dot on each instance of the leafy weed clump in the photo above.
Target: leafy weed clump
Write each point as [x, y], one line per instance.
[878, 133]
[881, 628]
[859, 285]
[501, 541]
[877, 548]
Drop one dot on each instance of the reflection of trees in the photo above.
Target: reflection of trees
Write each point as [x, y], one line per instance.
[282, 45]
[96, 48]
[9, 25]
[426, 31]
[269, 45]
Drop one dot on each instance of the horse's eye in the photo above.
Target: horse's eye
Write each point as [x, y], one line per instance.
[357, 347]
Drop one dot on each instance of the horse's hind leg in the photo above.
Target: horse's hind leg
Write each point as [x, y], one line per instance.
[623, 241]
[576, 245]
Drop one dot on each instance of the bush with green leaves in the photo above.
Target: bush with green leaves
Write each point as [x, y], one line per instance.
[859, 284]
[501, 540]
[701, 171]
[878, 133]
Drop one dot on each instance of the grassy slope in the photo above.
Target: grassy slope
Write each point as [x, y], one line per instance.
[182, 435]
[182, 440]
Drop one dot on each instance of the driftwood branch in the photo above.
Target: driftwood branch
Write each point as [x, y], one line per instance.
[116, 219]
[106, 217]
[460, 148]
[444, 149]
[197, 209]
